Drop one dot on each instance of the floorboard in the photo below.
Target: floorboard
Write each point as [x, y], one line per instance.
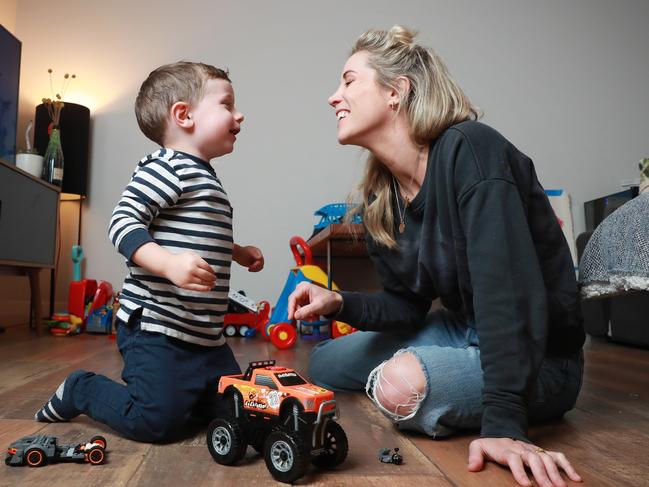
[606, 436]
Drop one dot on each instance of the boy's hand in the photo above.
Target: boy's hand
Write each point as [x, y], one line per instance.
[248, 256]
[189, 271]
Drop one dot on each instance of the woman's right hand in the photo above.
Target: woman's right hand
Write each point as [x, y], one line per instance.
[308, 302]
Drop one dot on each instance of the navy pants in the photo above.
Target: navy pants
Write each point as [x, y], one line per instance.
[168, 381]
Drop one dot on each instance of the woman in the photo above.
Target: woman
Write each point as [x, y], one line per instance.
[452, 210]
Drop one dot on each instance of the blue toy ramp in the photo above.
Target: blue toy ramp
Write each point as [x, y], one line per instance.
[280, 313]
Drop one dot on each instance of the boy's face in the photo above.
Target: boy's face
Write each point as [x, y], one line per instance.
[216, 120]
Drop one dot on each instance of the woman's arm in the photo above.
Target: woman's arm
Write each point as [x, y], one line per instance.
[392, 308]
[509, 301]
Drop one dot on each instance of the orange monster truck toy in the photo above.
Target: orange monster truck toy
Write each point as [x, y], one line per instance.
[290, 421]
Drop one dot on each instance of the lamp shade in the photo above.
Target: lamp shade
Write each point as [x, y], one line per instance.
[74, 125]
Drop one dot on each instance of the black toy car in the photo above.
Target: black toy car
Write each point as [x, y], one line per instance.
[38, 450]
[386, 456]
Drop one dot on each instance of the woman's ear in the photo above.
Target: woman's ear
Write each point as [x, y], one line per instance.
[399, 91]
[180, 115]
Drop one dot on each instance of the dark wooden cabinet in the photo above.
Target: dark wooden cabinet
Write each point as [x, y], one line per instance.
[28, 218]
[29, 211]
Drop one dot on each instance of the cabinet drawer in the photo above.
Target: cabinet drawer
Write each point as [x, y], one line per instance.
[28, 218]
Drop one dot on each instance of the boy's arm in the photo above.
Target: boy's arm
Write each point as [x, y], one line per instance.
[186, 270]
[154, 187]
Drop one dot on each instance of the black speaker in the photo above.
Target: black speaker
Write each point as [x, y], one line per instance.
[75, 132]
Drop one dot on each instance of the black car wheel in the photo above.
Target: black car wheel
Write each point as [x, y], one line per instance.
[96, 455]
[286, 456]
[234, 400]
[335, 445]
[100, 440]
[291, 414]
[226, 441]
[35, 457]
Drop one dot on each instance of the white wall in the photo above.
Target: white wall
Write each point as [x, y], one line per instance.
[8, 14]
[565, 81]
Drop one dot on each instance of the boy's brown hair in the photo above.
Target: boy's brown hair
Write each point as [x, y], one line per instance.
[182, 81]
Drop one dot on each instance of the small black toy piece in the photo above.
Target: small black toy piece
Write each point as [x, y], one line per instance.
[386, 456]
[38, 450]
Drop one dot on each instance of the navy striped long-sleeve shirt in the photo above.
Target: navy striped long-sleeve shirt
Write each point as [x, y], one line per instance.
[176, 200]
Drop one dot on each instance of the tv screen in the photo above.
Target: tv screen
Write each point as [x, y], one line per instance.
[9, 78]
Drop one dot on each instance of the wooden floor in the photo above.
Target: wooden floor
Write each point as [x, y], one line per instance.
[606, 437]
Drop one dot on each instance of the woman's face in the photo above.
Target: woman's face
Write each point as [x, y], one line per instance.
[361, 105]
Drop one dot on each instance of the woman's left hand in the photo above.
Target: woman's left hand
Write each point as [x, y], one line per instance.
[517, 455]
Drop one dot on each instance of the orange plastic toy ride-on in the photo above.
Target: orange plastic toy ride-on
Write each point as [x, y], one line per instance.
[280, 330]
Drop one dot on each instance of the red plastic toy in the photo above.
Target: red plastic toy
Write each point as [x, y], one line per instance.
[88, 291]
[247, 323]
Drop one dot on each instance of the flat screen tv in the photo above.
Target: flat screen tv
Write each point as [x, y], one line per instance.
[9, 80]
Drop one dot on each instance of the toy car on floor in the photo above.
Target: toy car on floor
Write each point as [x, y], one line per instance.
[290, 421]
[244, 316]
[387, 456]
[38, 450]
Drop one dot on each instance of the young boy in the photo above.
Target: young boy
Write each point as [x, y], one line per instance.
[173, 224]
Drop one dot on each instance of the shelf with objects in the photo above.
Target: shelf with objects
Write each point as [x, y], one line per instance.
[339, 248]
[341, 251]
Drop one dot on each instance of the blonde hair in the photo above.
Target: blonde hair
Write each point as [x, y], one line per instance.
[433, 103]
[166, 85]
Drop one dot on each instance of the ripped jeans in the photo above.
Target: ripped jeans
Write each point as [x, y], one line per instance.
[449, 353]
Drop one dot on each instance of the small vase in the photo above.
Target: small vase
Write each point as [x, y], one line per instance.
[53, 160]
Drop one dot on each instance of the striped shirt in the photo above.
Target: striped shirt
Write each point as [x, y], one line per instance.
[176, 200]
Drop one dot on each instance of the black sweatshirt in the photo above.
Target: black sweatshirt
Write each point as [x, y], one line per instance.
[481, 235]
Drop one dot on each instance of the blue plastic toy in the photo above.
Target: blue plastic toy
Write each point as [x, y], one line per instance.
[77, 257]
[334, 213]
[100, 320]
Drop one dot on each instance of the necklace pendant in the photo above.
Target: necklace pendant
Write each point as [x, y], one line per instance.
[402, 227]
